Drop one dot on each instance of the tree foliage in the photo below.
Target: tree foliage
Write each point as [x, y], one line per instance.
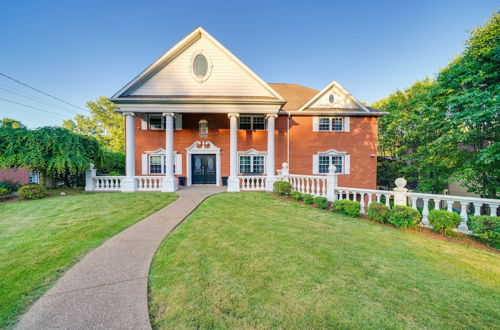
[104, 124]
[51, 151]
[449, 127]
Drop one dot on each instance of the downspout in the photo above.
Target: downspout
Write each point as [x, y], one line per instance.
[288, 140]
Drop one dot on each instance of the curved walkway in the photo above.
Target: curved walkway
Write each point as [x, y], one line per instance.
[108, 288]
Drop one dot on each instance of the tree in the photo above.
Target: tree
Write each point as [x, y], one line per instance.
[51, 151]
[12, 123]
[104, 124]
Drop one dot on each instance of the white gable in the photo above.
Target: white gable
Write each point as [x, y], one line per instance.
[172, 74]
[334, 97]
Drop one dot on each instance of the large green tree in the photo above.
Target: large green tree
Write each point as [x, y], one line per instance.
[448, 127]
[104, 124]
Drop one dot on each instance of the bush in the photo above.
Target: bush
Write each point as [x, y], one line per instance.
[10, 186]
[404, 216]
[486, 228]
[321, 202]
[443, 221]
[3, 193]
[296, 195]
[32, 191]
[307, 199]
[347, 207]
[282, 188]
[378, 212]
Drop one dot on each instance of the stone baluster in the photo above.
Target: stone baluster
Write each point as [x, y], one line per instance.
[425, 213]
[493, 210]
[477, 208]
[449, 206]
[463, 228]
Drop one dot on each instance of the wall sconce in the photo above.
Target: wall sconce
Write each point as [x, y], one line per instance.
[203, 128]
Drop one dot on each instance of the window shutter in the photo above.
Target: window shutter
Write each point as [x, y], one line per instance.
[144, 122]
[178, 164]
[144, 164]
[347, 124]
[178, 121]
[315, 164]
[315, 124]
[347, 164]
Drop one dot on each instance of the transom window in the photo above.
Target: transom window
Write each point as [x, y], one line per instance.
[331, 123]
[252, 122]
[326, 161]
[251, 164]
[157, 164]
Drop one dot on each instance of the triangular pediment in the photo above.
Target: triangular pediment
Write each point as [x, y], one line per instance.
[333, 98]
[172, 75]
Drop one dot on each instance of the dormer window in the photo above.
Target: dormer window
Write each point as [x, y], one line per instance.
[201, 66]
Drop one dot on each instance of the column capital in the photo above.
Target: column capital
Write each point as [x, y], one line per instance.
[166, 114]
[128, 113]
[233, 114]
[271, 115]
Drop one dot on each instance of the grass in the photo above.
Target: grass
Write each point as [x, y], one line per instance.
[40, 240]
[251, 260]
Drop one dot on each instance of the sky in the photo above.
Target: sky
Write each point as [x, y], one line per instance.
[80, 50]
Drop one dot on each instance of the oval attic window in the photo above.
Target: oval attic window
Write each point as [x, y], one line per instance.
[331, 98]
[200, 66]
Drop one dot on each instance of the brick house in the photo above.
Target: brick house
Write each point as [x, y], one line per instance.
[20, 176]
[198, 115]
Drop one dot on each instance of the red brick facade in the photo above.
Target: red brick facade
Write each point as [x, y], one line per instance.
[15, 175]
[360, 143]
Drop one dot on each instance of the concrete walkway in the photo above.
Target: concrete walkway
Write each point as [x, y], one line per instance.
[108, 289]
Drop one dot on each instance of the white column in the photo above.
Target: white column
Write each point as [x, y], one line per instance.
[169, 183]
[128, 183]
[331, 183]
[233, 183]
[271, 178]
[400, 192]
[89, 178]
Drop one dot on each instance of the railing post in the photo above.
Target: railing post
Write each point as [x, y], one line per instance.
[400, 192]
[89, 178]
[331, 183]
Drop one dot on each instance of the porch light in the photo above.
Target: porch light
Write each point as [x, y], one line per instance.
[203, 127]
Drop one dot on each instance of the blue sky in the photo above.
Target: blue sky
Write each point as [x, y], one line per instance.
[79, 50]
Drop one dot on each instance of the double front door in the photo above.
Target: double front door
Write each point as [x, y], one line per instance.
[203, 169]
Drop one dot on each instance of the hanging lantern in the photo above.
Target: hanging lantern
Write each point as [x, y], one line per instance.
[203, 127]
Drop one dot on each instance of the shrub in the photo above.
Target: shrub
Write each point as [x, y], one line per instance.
[404, 216]
[486, 228]
[321, 202]
[32, 191]
[443, 221]
[307, 199]
[3, 193]
[347, 207]
[282, 188]
[296, 195]
[378, 212]
[10, 186]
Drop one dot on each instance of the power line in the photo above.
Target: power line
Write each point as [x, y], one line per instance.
[39, 91]
[29, 106]
[40, 101]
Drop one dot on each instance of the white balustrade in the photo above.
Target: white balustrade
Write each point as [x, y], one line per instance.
[307, 184]
[148, 183]
[464, 203]
[373, 196]
[107, 183]
[255, 183]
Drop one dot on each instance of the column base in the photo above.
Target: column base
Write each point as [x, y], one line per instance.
[169, 184]
[128, 185]
[233, 184]
[270, 180]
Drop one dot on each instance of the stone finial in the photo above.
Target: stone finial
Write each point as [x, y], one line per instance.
[400, 182]
[284, 165]
[91, 166]
[332, 169]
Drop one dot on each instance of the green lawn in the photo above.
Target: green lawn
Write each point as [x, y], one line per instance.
[251, 260]
[41, 239]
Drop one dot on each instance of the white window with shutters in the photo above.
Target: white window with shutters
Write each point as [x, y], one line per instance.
[331, 124]
[154, 163]
[323, 160]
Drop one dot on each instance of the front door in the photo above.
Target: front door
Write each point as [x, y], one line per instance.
[203, 169]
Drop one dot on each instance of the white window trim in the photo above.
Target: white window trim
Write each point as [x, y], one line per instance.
[37, 177]
[251, 123]
[253, 152]
[330, 124]
[346, 160]
[346, 124]
[209, 66]
[177, 161]
[177, 122]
